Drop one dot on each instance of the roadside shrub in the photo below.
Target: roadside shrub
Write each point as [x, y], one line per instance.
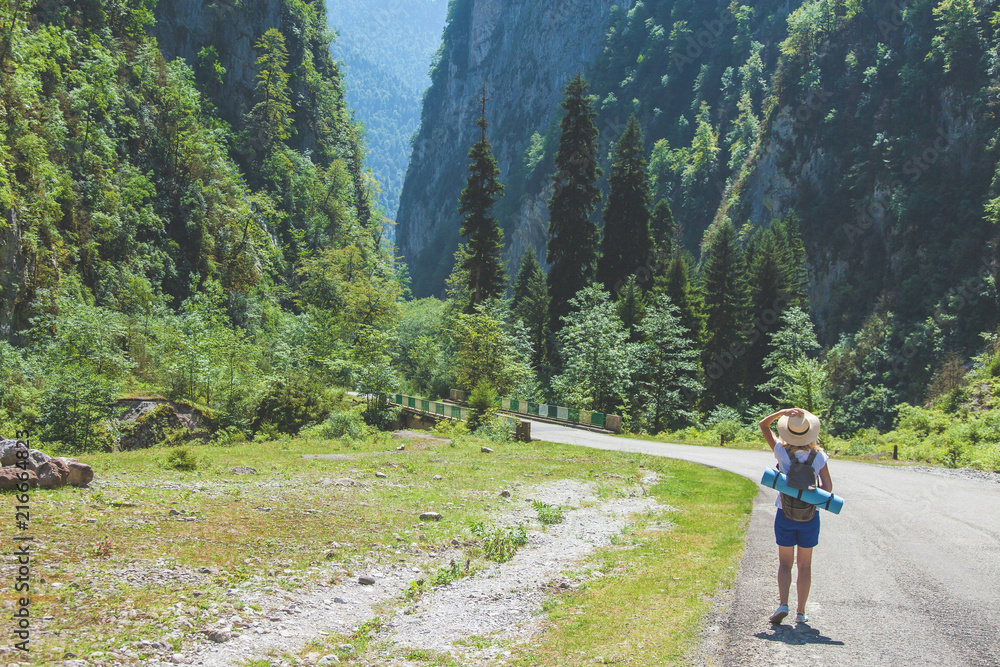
[293, 402]
[495, 429]
[347, 424]
[864, 441]
[482, 405]
[181, 459]
[229, 437]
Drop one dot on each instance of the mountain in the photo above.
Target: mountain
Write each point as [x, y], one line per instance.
[386, 48]
[523, 53]
[874, 122]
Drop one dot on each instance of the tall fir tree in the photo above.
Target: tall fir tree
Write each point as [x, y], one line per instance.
[486, 271]
[269, 122]
[726, 297]
[662, 231]
[685, 295]
[531, 305]
[774, 280]
[787, 229]
[626, 243]
[572, 247]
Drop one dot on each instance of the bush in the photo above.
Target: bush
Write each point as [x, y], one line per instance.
[864, 441]
[181, 459]
[482, 404]
[348, 424]
[496, 429]
[548, 514]
[500, 544]
[293, 402]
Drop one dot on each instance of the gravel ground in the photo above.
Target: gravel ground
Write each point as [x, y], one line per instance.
[501, 603]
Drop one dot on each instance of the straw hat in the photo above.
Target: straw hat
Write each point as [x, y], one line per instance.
[799, 431]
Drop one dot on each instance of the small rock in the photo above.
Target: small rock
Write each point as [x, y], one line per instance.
[219, 636]
[381, 475]
[486, 450]
[366, 581]
[197, 594]
[340, 600]
[437, 477]
[400, 448]
[178, 659]
[330, 659]
[173, 512]
[243, 470]
[347, 648]
[202, 569]
[430, 516]
[505, 494]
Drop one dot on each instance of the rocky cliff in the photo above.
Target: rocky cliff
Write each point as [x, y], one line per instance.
[523, 53]
[874, 122]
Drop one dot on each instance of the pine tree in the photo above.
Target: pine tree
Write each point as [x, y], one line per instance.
[486, 271]
[787, 229]
[726, 306]
[769, 275]
[625, 244]
[631, 308]
[270, 120]
[662, 230]
[531, 305]
[669, 365]
[572, 248]
[684, 294]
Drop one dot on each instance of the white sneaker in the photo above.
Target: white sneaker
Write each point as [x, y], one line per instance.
[779, 615]
[801, 617]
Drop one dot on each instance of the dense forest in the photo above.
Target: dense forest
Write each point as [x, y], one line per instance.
[386, 92]
[199, 223]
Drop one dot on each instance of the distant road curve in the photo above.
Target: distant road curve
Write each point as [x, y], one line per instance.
[908, 574]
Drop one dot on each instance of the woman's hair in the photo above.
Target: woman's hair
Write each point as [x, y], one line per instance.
[798, 448]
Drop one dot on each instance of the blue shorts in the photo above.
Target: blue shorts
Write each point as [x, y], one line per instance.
[790, 533]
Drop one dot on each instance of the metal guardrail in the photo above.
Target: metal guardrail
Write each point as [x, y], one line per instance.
[527, 408]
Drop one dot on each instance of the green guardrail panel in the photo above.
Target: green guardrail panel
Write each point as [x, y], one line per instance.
[456, 412]
[597, 419]
[573, 414]
[425, 405]
[398, 399]
[515, 405]
[439, 408]
[411, 402]
[532, 408]
[553, 411]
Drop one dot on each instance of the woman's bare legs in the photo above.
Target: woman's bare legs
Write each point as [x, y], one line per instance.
[802, 582]
[786, 557]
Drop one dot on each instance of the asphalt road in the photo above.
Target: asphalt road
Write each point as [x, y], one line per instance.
[907, 574]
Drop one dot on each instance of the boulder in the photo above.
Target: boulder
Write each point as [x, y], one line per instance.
[38, 456]
[52, 474]
[8, 452]
[80, 474]
[10, 478]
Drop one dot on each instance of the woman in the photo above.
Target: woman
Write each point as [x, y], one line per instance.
[799, 432]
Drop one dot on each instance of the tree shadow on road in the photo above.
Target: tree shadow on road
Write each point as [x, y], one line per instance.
[799, 634]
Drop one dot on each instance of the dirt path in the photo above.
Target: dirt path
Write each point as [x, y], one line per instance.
[473, 619]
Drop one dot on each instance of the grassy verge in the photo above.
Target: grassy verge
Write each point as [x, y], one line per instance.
[150, 553]
[648, 606]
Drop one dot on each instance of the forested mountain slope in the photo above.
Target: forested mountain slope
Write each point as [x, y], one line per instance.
[386, 47]
[749, 112]
[185, 211]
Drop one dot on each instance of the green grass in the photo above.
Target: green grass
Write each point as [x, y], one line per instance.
[87, 540]
[648, 606]
[548, 514]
